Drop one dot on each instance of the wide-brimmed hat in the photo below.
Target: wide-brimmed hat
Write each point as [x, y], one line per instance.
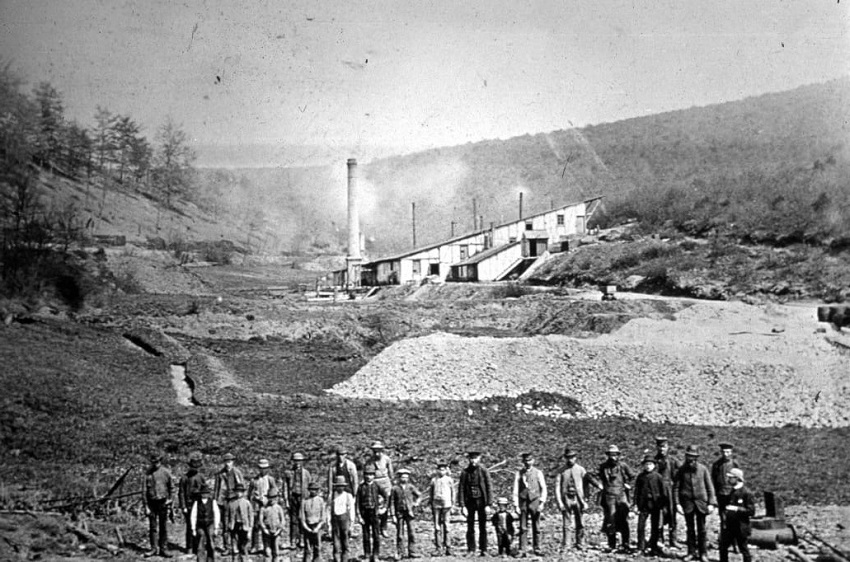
[473, 453]
[313, 485]
[737, 473]
[502, 501]
[205, 489]
[297, 457]
[570, 452]
[340, 481]
[377, 445]
[441, 464]
[263, 463]
[229, 457]
[692, 451]
[401, 471]
[613, 450]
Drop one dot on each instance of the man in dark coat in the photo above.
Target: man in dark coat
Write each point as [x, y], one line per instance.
[719, 469]
[475, 493]
[739, 509]
[650, 500]
[695, 493]
[295, 482]
[667, 466]
[368, 500]
[188, 492]
[158, 493]
[226, 480]
[615, 478]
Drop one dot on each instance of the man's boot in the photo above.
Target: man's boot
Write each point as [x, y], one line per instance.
[579, 539]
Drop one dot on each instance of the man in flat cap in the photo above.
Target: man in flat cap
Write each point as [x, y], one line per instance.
[649, 500]
[384, 476]
[616, 478]
[240, 521]
[667, 466]
[261, 485]
[225, 490]
[188, 491]
[368, 500]
[570, 486]
[345, 467]
[158, 491]
[695, 492]
[719, 469]
[295, 482]
[740, 507]
[475, 493]
[529, 496]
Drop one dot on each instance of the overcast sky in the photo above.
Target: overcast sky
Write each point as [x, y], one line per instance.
[364, 78]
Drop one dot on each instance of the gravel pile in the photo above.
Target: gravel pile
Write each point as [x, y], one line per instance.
[716, 364]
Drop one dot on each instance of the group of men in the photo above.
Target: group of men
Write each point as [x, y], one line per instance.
[255, 511]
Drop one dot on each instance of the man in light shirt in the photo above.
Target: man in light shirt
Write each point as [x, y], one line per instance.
[441, 495]
[341, 514]
[529, 495]
[204, 522]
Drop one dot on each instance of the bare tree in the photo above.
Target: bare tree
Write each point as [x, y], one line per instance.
[173, 158]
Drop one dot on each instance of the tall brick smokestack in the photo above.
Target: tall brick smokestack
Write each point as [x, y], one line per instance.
[352, 261]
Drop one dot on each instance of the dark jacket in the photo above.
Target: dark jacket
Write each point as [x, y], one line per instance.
[290, 483]
[614, 477]
[719, 469]
[468, 490]
[189, 489]
[694, 488]
[667, 466]
[158, 484]
[650, 491]
[368, 497]
[509, 523]
[738, 521]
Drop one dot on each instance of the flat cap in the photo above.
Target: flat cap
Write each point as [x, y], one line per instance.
[661, 439]
[726, 445]
[570, 452]
[340, 481]
[526, 455]
[473, 453]
[313, 485]
[648, 458]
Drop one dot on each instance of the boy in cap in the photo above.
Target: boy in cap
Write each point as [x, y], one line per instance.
[271, 525]
[503, 524]
[616, 478]
[441, 494]
[225, 484]
[695, 492]
[403, 503]
[739, 509]
[188, 492]
[368, 500]
[667, 466]
[571, 498]
[529, 495]
[312, 518]
[475, 494]
[384, 477]
[342, 513]
[261, 485]
[719, 469]
[204, 522]
[158, 491]
[240, 521]
[295, 481]
[649, 500]
[345, 467]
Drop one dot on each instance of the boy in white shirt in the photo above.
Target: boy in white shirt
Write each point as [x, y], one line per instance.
[204, 520]
[442, 498]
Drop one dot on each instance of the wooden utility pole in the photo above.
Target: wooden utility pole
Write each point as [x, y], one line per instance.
[520, 205]
[413, 222]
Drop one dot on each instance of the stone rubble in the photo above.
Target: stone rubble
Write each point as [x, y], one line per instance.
[727, 364]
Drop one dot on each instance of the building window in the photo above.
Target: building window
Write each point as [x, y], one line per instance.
[417, 268]
[464, 252]
[529, 225]
[434, 269]
[560, 218]
[392, 266]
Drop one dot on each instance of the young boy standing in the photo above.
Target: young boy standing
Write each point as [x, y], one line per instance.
[650, 499]
[342, 515]
[403, 502]
[271, 525]
[503, 523]
[441, 493]
[368, 499]
[240, 521]
[312, 518]
[204, 520]
[741, 507]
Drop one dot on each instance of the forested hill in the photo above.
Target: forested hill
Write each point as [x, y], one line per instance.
[774, 165]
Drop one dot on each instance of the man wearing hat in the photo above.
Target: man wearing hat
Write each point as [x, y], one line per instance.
[158, 491]
[719, 469]
[240, 521]
[529, 495]
[570, 495]
[441, 494]
[475, 493]
[295, 482]
[615, 478]
[368, 500]
[403, 503]
[739, 509]
[188, 491]
[312, 518]
[204, 522]
[384, 477]
[342, 512]
[225, 490]
[260, 487]
[695, 493]
[345, 467]
[271, 525]
[667, 466]
[503, 524]
[649, 500]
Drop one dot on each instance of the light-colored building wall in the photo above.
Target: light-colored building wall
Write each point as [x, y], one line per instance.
[490, 268]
